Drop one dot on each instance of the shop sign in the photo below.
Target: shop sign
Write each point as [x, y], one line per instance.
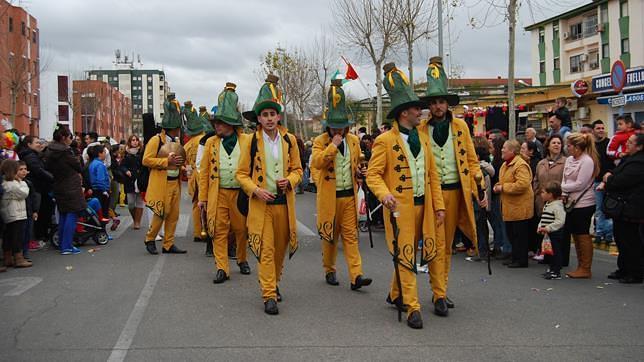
[579, 88]
[619, 101]
[634, 80]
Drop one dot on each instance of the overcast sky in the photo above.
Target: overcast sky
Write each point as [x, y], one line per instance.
[203, 44]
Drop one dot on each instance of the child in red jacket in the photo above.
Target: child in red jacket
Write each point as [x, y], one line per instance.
[617, 146]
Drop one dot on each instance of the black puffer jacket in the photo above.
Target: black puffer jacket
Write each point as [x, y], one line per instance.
[66, 169]
[627, 182]
[132, 162]
[38, 175]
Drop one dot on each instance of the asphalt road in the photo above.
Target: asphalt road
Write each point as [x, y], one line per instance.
[118, 303]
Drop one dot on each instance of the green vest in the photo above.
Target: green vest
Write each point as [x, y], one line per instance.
[274, 167]
[445, 158]
[343, 179]
[417, 169]
[228, 166]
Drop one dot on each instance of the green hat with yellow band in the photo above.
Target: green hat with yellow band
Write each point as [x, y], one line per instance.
[400, 93]
[270, 96]
[437, 83]
[227, 110]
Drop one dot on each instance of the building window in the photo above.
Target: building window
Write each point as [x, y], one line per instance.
[623, 9]
[555, 31]
[575, 64]
[23, 28]
[555, 64]
[34, 36]
[593, 59]
[542, 36]
[590, 25]
[625, 46]
[10, 25]
[605, 51]
[542, 67]
[576, 31]
[604, 13]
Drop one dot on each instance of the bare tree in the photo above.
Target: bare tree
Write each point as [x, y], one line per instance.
[416, 20]
[322, 58]
[371, 26]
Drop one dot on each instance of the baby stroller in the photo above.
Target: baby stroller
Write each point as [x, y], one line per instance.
[88, 227]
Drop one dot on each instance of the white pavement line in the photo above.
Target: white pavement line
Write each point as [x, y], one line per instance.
[182, 225]
[129, 331]
[303, 230]
[20, 285]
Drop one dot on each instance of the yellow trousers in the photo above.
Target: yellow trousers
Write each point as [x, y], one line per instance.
[275, 236]
[196, 220]
[228, 218]
[345, 226]
[171, 216]
[408, 277]
[454, 211]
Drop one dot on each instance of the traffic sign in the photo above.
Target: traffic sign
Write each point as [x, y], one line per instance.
[618, 76]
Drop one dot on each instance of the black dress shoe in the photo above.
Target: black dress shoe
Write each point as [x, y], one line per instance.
[396, 303]
[517, 265]
[415, 320]
[440, 307]
[244, 268]
[330, 278]
[197, 239]
[220, 277]
[151, 247]
[617, 274]
[629, 279]
[173, 250]
[449, 302]
[279, 296]
[270, 307]
[360, 282]
[503, 256]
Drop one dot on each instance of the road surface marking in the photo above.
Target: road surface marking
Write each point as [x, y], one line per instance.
[182, 225]
[129, 331]
[303, 230]
[20, 285]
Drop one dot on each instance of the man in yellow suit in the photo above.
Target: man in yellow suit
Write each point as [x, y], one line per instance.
[269, 170]
[456, 161]
[219, 190]
[336, 157]
[195, 130]
[402, 175]
[164, 156]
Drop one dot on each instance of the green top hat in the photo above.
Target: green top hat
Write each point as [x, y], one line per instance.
[270, 96]
[337, 114]
[227, 111]
[171, 113]
[204, 116]
[194, 126]
[401, 94]
[437, 83]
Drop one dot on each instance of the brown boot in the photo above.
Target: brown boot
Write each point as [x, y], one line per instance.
[584, 246]
[8, 259]
[21, 262]
[138, 214]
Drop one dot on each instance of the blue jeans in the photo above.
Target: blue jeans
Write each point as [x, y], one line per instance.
[66, 229]
[603, 225]
[501, 241]
[25, 242]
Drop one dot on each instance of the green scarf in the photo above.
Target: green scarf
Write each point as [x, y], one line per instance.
[441, 131]
[412, 139]
[230, 142]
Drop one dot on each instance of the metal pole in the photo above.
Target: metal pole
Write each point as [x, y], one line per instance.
[440, 28]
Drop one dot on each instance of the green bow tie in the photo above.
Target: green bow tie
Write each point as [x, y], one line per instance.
[413, 140]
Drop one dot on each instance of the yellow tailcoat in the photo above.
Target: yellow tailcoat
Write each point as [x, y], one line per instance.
[156, 192]
[389, 173]
[323, 161]
[292, 170]
[468, 168]
[191, 148]
[209, 174]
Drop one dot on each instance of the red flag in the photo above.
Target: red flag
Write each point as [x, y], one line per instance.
[351, 73]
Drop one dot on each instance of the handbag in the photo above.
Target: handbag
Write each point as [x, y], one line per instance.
[613, 205]
[571, 203]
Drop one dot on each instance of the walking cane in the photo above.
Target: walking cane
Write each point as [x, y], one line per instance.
[365, 189]
[483, 218]
[392, 216]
